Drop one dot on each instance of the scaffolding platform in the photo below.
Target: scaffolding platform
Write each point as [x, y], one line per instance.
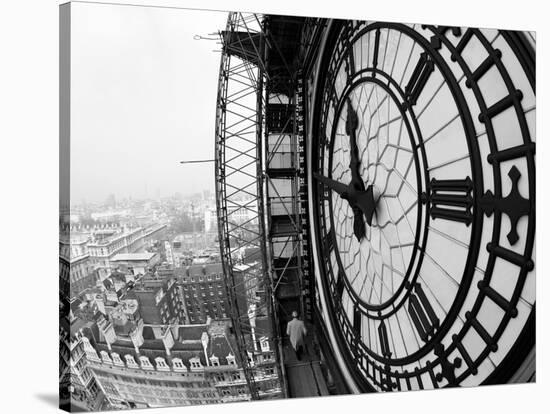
[305, 377]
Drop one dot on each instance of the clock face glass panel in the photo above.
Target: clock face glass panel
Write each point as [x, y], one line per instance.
[437, 123]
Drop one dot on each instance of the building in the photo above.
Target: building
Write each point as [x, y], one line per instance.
[78, 389]
[169, 253]
[210, 220]
[76, 271]
[194, 241]
[134, 263]
[154, 233]
[159, 300]
[168, 365]
[105, 246]
[204, 291]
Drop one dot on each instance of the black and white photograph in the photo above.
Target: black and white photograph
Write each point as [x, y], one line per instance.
[352, 209]
[257, 206]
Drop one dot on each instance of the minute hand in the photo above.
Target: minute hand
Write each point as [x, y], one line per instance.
[334, 185]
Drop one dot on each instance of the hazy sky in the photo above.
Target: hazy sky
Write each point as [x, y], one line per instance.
[143, 97]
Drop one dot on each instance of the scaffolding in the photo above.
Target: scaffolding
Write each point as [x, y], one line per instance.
[240, 192]
[261, 183]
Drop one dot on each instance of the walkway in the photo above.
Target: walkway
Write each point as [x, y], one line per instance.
[305, 378]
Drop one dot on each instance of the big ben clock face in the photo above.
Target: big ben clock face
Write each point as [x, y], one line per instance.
[423, 180]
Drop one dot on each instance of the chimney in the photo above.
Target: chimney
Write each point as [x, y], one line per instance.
[168, 340]
[205, 339]
[137, 336]
[108, 331]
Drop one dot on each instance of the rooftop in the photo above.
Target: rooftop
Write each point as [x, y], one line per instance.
[126, 257]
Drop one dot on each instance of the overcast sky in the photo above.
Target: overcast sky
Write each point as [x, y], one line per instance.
[143, 97]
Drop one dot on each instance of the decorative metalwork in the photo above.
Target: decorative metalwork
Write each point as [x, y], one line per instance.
[457, 201]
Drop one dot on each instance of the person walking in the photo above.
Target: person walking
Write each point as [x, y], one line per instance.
[296, 330]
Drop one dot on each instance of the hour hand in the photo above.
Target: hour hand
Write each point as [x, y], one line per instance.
[334, 185]
[352, 123]
[358, 223]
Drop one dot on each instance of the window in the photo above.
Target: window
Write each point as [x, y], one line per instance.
[161, 363]
[214, 360]
[230, 359]
[105, 357]
[116, 359]
[145, 363]
[264, 343]
[130, 361]
[195, 363]
[178, 364]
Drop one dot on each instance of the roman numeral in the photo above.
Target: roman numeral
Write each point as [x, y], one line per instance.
[451, 200]
[340, 284]
[376, 48]
[384, 343]
[328, 244]
[501, 106]
[482, 69]
[357, 318]
[419, 378]
[422, 314]
[419, 78]
[407, 380]
[350, 63]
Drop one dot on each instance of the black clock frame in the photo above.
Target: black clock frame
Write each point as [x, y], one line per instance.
[527, 338]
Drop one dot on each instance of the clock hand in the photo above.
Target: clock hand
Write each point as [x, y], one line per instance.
[334, 185]
[361, 199]
[364, 200]
[351, 127]
[358, 223]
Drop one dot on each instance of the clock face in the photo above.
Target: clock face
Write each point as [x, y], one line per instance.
[423, 181]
